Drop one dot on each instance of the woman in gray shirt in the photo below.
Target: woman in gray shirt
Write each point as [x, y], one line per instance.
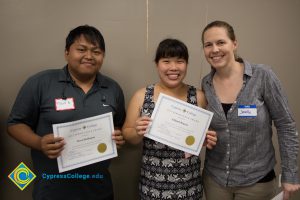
[246, 99]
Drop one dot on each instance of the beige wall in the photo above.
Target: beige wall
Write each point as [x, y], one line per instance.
[32, 38]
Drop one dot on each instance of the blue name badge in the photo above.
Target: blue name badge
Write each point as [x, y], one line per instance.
[247, 111]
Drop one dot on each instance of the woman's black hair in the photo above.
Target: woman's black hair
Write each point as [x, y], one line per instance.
[169, 48]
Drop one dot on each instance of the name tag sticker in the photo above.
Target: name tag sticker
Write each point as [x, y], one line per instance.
[64, 104]
[247, 111]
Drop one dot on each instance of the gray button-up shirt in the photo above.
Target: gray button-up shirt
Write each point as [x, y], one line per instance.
[244, 152]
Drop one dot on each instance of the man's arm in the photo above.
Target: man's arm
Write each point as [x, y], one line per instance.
[48, 144]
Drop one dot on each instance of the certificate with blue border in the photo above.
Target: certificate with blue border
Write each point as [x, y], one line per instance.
[87, 141]
[179, 124]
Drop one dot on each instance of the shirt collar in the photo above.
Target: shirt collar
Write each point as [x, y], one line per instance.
[64, 76]
[101, 81]
[248, 71]
[248, 68]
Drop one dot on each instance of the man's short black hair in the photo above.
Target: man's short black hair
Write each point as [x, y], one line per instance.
[90, 33]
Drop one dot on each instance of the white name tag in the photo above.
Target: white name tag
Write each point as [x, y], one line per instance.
[64, 104]
[247, 111]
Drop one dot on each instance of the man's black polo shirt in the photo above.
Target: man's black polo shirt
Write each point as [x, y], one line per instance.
[35, 106]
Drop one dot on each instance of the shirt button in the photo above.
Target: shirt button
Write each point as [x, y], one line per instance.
[228, 145]
[227, 167]
[227, 152]
[227, 172]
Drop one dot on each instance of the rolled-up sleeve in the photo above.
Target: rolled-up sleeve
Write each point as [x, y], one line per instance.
[285, 125]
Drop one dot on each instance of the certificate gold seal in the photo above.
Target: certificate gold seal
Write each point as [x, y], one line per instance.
[102, 147]
[190, 140]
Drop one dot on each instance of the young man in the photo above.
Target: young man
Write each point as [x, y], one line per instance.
[88, 93]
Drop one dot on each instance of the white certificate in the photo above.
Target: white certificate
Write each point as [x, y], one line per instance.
[179, 124]
[87, 141]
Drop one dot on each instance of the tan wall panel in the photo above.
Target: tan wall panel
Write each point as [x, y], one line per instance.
[32, 39]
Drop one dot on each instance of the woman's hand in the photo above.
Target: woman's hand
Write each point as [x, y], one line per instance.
[288, 189]
[118, 138]
[211, 139]
[141, 125]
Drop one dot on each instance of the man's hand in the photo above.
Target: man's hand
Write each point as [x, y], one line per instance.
[52, 146]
